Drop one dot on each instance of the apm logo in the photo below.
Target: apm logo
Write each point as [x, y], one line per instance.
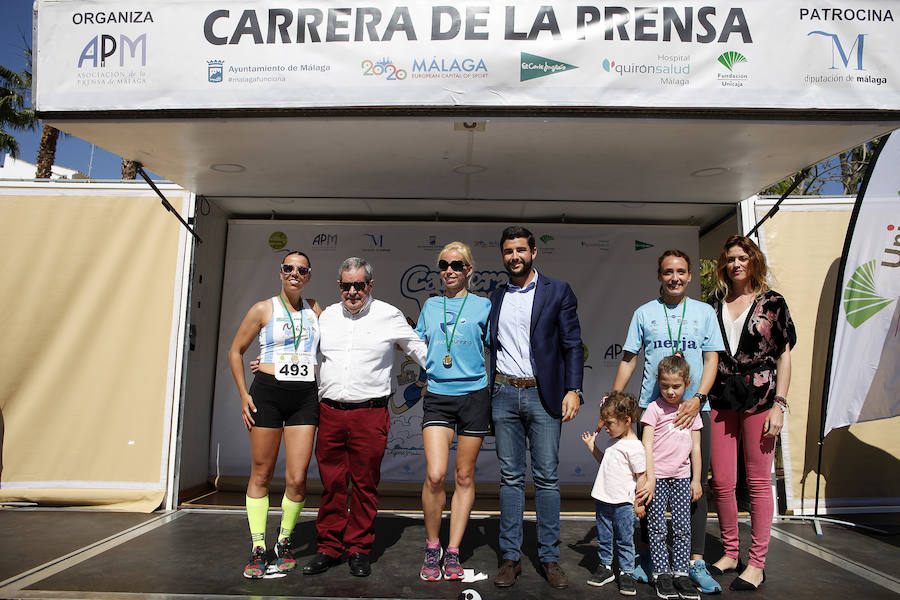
[844, 56]
[861, 299]
[325, 240]
[533, 66]
[102, 47]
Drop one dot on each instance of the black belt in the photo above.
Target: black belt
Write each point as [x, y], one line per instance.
[519, 382]
[373, 403]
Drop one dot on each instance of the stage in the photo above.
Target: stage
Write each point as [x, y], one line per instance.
[200, 553]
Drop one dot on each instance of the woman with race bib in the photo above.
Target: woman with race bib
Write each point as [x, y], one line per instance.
[455, 327]
[282, 402]
[673, 323]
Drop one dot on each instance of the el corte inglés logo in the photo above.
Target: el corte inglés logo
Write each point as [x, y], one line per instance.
[533, 66]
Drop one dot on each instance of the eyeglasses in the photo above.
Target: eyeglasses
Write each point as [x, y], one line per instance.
[456, 265]
[288, 269]
[357, 285]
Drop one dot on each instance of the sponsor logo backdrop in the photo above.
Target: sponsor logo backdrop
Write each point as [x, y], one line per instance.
[612, 270]
[104, 55]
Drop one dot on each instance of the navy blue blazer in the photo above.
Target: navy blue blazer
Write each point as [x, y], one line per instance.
[557, 356]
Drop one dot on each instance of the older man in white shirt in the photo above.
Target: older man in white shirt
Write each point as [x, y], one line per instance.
[358, 336]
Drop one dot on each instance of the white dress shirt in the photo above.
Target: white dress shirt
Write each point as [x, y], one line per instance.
[357, 350]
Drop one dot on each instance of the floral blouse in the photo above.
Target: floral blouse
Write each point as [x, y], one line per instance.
[746, 379]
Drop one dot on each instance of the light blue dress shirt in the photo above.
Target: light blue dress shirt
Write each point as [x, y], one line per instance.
[514, 330]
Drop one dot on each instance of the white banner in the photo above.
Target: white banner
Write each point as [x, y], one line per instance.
[865, 364]
[207, 54]
[612, 270]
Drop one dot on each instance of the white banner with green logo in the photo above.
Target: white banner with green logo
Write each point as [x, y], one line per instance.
[865, 366]
[170, 54]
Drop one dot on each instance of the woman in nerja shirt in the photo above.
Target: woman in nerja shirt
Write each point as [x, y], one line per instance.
[455, 327]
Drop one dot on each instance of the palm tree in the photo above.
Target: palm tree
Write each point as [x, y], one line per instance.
[13, 112]
[129, 169]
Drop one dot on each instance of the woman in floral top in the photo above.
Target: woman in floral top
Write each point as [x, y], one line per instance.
[748, 399]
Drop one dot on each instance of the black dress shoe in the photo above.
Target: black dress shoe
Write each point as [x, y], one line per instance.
[320, 563]
[359, 565]
[742, 585]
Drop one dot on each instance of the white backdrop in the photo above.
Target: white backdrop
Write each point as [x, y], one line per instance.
[612, 270]
[172, 54]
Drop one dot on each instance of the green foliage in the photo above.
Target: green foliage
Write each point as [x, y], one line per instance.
[707, 278]
[845, 170]
[14, 88]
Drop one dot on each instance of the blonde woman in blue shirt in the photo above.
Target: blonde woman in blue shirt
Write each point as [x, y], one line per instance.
[455, 327]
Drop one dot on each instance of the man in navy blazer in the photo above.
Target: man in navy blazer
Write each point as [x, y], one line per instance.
[536, 370]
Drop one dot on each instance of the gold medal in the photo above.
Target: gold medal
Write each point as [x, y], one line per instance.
[448, 361]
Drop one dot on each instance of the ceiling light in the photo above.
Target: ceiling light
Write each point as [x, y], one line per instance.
[228, 168]
[711, 172]
[469, 169]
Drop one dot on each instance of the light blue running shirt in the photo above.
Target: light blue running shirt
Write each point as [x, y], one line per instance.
[648, 329]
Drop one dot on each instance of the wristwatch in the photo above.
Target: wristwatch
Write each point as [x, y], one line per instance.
[703, 397]
[577, 391]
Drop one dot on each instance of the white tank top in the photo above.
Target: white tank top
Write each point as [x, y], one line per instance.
[278, 336]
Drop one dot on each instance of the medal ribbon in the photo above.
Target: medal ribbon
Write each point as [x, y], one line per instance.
[458, 315]
[666, 312]
[295, 338]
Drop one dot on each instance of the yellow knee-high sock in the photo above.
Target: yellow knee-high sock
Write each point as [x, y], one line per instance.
[257, 510]
[290, 514]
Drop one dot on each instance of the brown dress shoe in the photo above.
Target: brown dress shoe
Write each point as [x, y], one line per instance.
[509, 570]
[555, 575]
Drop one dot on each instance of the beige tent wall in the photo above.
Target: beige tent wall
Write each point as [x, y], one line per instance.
[89, 309]
[861, 463]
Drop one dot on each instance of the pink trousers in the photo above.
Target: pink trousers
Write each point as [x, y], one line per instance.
[729, 428]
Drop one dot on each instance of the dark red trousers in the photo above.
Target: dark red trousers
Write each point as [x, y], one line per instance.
[349, 447]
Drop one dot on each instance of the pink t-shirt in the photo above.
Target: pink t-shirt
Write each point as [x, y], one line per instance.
[671, 446]
[622, 461]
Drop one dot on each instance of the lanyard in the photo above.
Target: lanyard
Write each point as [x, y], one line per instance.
[295, 338]
[666, 312]
[458, 315]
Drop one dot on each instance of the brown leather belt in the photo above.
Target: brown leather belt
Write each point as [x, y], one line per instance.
[519, 382]
[373, 403]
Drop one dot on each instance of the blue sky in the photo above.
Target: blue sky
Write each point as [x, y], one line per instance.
[71, 152]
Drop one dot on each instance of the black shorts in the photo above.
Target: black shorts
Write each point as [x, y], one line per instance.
[284, 403]
[469, 414]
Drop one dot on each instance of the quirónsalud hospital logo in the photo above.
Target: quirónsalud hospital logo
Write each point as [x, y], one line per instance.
[861, 299]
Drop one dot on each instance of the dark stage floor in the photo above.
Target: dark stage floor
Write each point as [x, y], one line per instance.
[197, 553]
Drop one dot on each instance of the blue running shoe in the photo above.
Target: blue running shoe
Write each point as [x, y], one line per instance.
[643, 569]
[699, 574]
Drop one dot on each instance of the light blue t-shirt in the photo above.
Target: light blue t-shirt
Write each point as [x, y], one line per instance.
[648, 329]
[467, 373]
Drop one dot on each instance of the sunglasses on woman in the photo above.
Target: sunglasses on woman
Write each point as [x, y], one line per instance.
[357, 285]
[456, 265]
[288, 269]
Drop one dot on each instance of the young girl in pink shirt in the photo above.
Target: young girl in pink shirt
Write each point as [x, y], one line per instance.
[673, 462]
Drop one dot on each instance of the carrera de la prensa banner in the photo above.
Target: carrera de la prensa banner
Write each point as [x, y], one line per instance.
[612, 269]
[865, 364]
[170, 54]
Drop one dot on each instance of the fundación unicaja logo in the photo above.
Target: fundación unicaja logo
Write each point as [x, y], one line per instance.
[533, 66]
[861, 300]
[730, 59]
